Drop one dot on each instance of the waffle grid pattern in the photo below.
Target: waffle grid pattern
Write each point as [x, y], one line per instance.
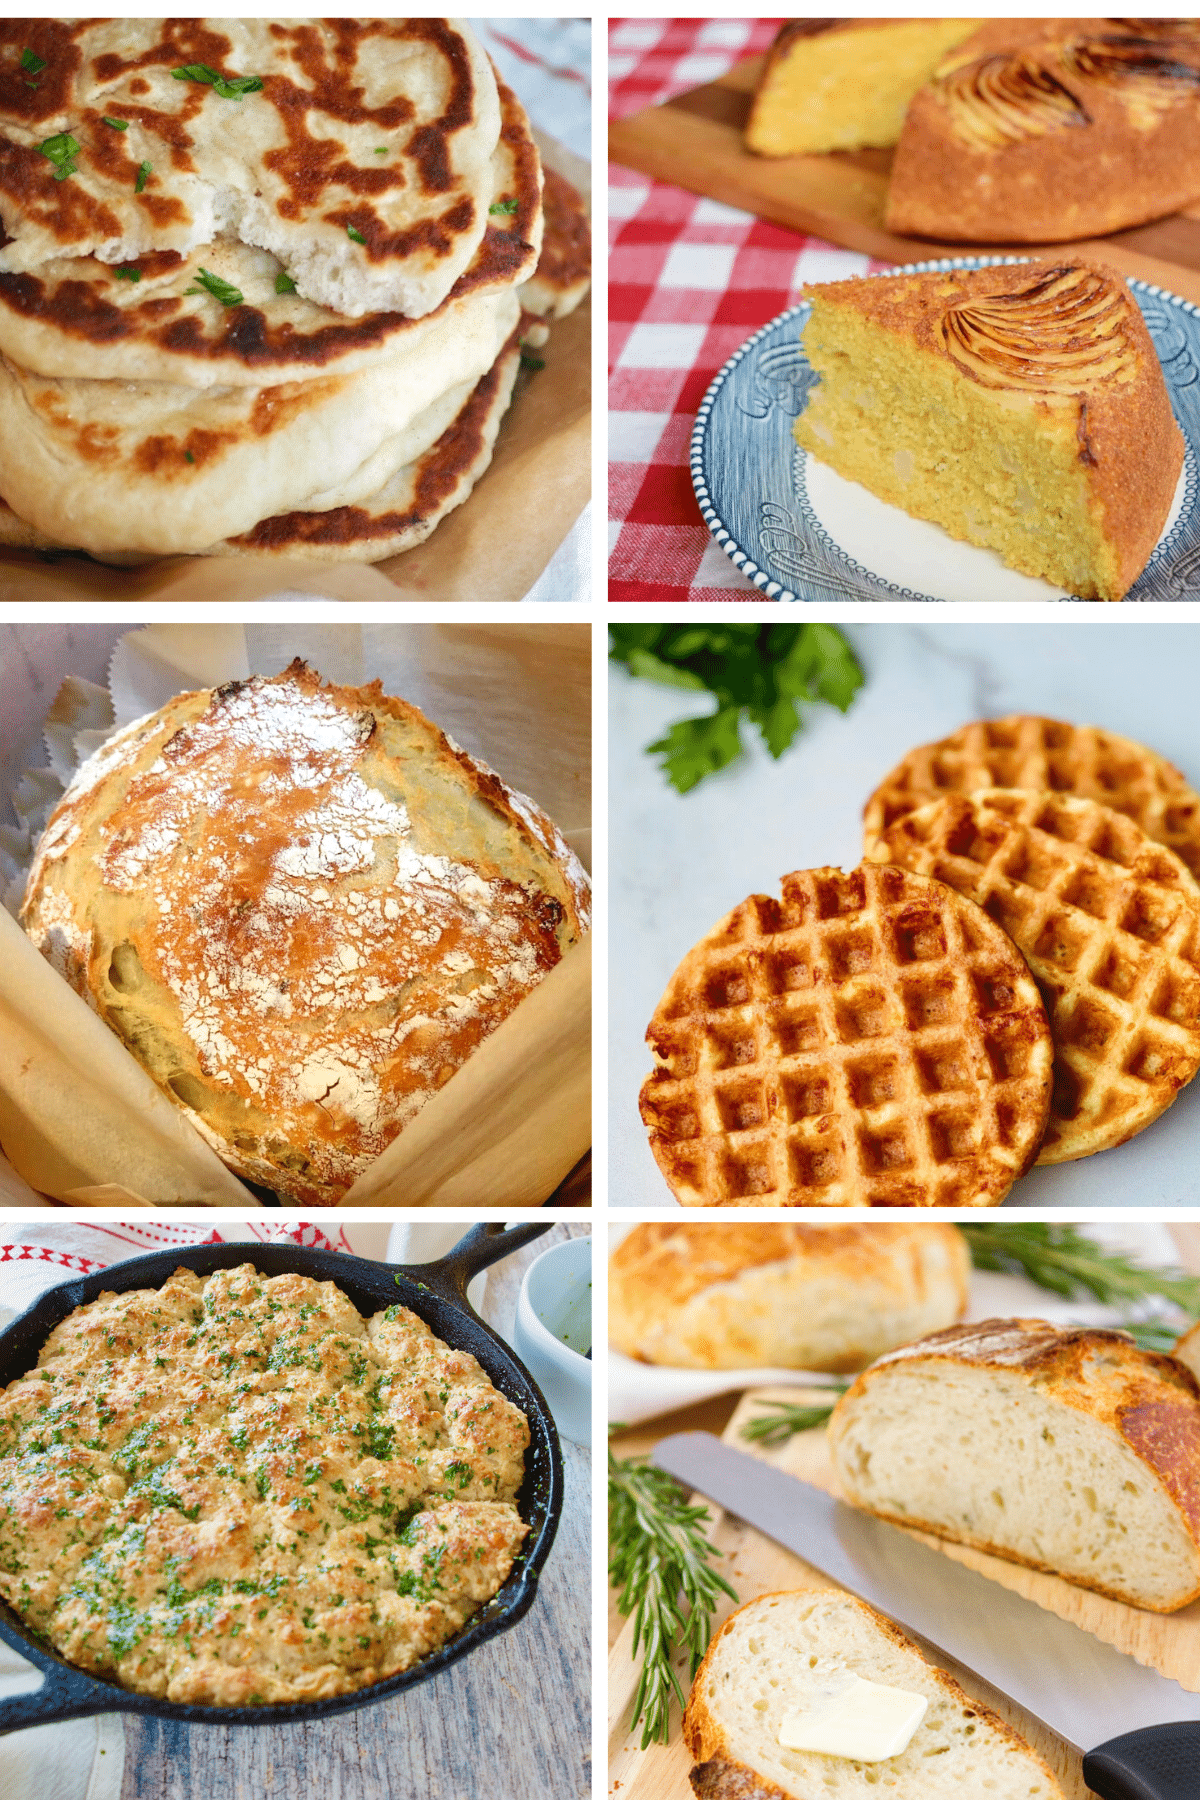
[1047, 756]
[867, 1040]
[1108, 921]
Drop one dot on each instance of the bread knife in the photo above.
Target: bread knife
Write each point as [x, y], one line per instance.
[1139, 1731]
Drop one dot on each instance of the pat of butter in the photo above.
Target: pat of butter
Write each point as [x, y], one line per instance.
[866, 1722]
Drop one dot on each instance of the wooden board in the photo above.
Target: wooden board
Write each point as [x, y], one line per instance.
[755, 1565]
[695, 141]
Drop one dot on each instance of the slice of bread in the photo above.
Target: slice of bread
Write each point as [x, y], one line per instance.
[1068, 1450]
[787, 1653]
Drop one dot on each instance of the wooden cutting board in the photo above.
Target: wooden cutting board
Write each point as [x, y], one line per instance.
[755, 1565]
[695, 141]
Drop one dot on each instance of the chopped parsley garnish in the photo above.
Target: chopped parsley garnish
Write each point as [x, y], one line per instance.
[381, 150]
[144, 173]
[224, 291]
[284, 283]
[32, 63]
[505, 206]
[117, 124]
[129, 274]
[357, 236]
[229, 87]
[61, 151]
[188, 457]
[532, 362]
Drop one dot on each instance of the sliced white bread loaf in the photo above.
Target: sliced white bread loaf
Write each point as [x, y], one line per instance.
[790, 1653]
[785, 1296]
[1069, 1450]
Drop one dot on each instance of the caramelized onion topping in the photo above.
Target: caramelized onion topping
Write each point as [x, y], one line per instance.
[1065, 334]
[1003, 100]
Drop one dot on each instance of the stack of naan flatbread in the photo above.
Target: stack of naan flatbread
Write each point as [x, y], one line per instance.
[263, 282]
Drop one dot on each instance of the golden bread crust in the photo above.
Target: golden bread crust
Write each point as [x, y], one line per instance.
[1023, 750]
[1048, 131]
[301, 907]
[861, 1041]
[1108, 921]
[1150, 1402]
[728, 1296]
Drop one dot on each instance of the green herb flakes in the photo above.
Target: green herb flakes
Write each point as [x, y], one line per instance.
[229, 87]
[284, 283]
[224, 291]
[355, 235]
[145, 170]
[61, 151]
[117, 124]
[505, 206]
[32, 63]
[129, 273]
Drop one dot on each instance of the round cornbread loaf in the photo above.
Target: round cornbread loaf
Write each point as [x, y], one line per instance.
[1069, 1450]
[301, 907]
[864, 1040]
[785, 1296]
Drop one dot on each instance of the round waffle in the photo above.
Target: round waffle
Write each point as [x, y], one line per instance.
[1047, 756]
[869, 1039]
[1108, 921]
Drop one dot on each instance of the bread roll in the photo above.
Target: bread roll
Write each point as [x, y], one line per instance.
[782, 1296]
[1069, 1450]
[786, 1653]
[301, 908]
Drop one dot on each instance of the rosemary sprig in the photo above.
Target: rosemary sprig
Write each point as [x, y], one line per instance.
[660, 1564]
[1062, 1259]
[785, 1418]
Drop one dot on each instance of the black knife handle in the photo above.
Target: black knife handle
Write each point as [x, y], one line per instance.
[1160, 1763]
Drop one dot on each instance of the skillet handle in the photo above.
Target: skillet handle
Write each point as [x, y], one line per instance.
[482, 1246]
[64, 1694]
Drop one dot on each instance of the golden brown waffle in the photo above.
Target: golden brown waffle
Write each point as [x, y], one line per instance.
[869, 1039]
[1051, 757]
[1108, 921]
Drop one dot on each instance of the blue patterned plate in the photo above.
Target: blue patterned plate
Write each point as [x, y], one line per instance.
[798, 531]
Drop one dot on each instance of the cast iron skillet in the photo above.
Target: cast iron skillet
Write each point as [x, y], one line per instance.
[437, 1293]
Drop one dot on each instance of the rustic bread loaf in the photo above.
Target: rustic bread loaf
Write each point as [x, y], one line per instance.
[1069, 1450]
[786, 1296]
[786, 1653]
[302, 908]
[1187, 1350]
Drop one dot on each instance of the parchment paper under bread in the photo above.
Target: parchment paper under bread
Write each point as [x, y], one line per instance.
[81, 1121]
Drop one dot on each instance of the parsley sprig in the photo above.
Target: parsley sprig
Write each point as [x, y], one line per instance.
[229, 87]
[660, 1562]
[33, 64]
[765, 673]
[224, 291]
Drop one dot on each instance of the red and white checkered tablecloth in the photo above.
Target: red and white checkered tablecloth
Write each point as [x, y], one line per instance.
[688, 281]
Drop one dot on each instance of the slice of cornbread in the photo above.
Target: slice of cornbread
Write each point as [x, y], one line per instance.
[844, 84]
[1020, 407]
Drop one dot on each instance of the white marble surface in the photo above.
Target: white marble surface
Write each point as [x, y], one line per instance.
[679, 863]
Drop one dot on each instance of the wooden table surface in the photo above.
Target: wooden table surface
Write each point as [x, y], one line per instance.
[510, 1721]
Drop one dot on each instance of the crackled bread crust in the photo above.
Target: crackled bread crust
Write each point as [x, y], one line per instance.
[1142, 1414]
[238, 1491]
[301, 908]
[828, 1297]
